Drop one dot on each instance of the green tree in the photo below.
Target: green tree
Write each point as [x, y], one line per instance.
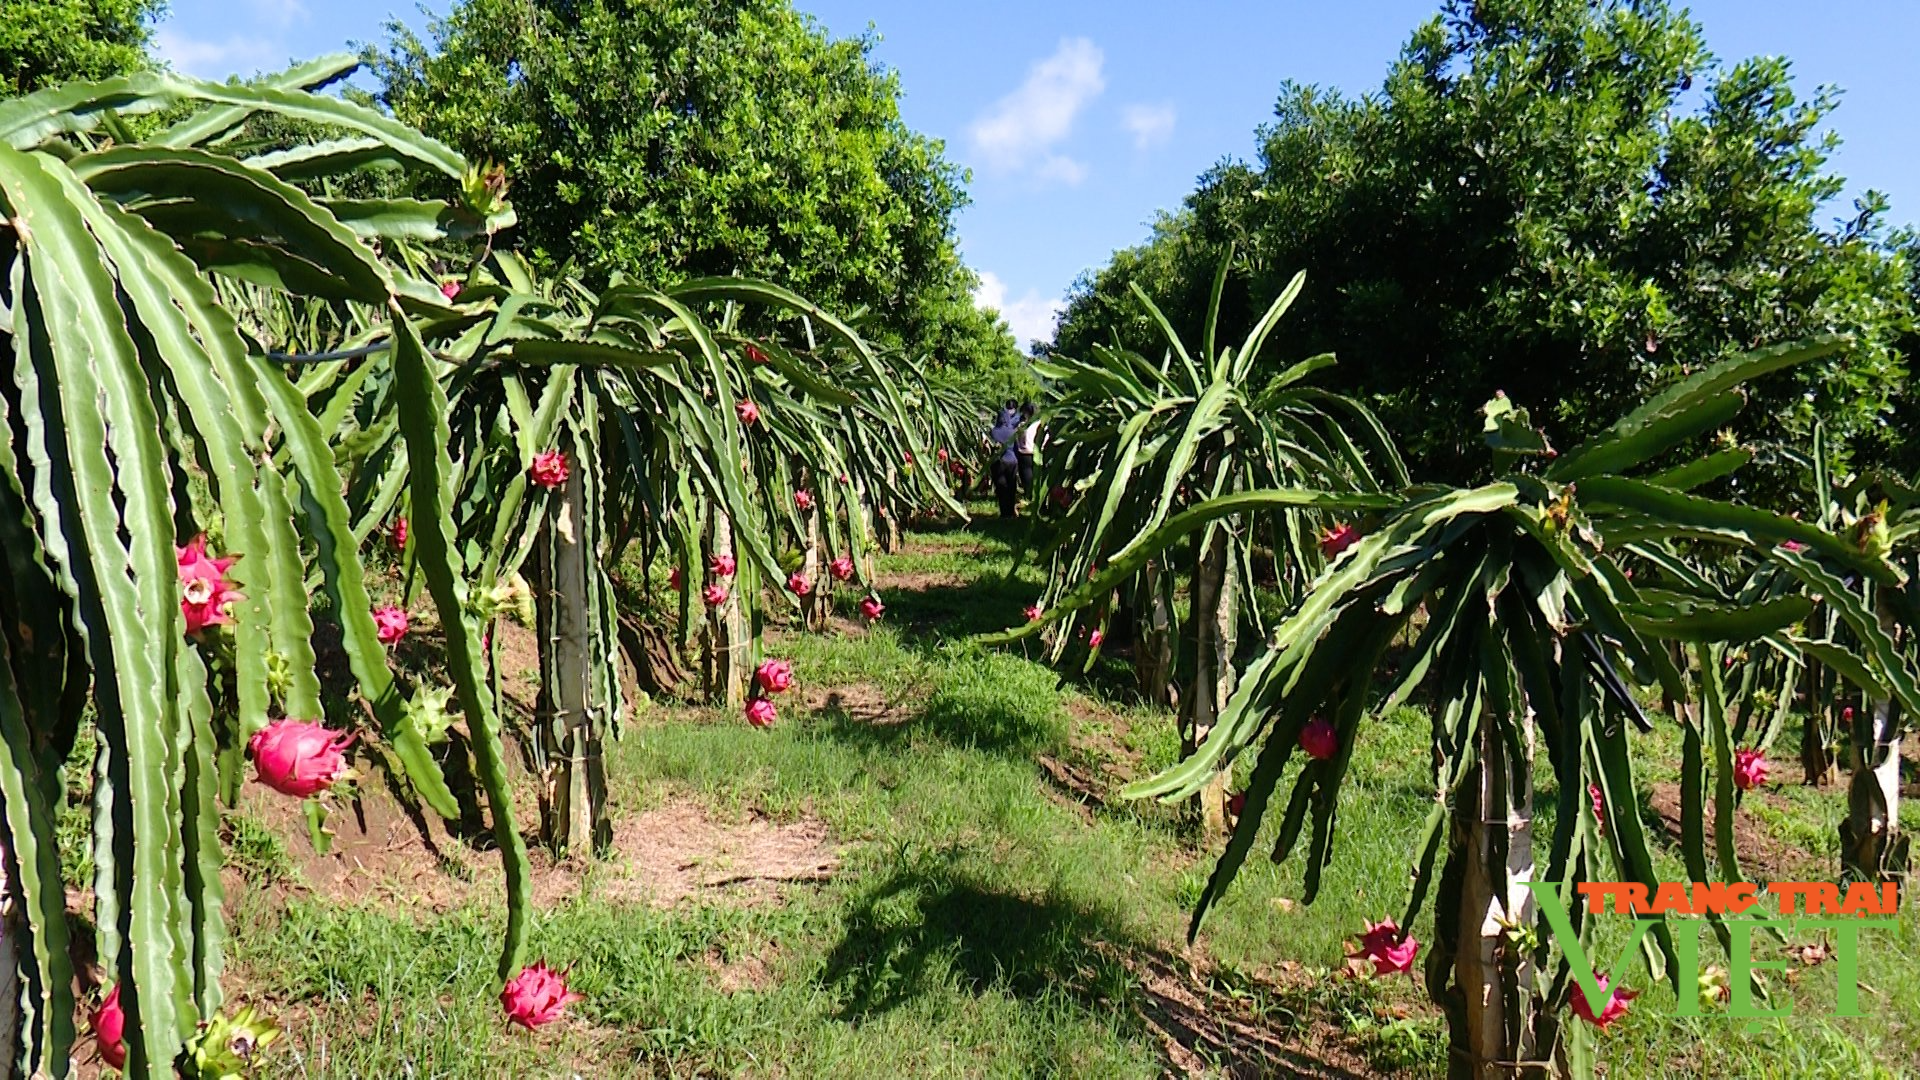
[1898, 441]
[975, 349]
[1174, 266]
[1534, 627]
[43, 42]
[1534, 203]
[685, 138]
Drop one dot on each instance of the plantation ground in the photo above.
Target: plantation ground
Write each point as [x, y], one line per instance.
[924, 870]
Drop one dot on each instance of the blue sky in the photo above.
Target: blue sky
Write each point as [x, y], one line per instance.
[1080, 119]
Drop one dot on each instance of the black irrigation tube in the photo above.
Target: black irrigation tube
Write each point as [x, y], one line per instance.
[290, 359]
[1610, 679]
[325, 357]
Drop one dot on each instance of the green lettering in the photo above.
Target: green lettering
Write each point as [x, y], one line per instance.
[1546, 894]
[1846, 949]
[1742, 965]
[1686, 951]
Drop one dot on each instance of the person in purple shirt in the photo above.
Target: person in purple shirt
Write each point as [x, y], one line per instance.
[1005, 470]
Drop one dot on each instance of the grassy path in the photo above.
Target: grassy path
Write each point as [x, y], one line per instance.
[920, 872]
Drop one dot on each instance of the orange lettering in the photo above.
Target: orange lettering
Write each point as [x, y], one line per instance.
[1596, 893]
[1861, 900]
[1634, 896]
[1742, 896]
[1788, 891]
[1671, 898]
[1711, 897]
[1823, 899]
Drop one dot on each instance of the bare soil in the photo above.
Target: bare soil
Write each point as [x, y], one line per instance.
[741, 973]
[863, 702]
[1761, 853]
[518, 655]
[677, 852]
[382, 855]
[1102, 734]
[925, 580]
[1207, 1033]
[1073, 787]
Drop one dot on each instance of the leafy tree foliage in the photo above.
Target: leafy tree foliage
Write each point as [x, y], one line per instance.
[43, 42]
[1565, 200]
[973, 348]
[688, 138]
[1898, 439]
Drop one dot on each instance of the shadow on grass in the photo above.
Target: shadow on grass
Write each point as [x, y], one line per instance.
[994, 727]
[986, 524]
[932, 615]
[931, 927]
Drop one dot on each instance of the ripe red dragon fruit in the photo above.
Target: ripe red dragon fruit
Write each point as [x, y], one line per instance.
[1319, 739]
[761, 712]
[110, 1030]
[537, 996]
[774, 676]
[1386, 948]
[1338, 539]
[1615, 1008]
[389, 624]
[207, 594]
[549, 469]
[1749, 769]
[298, 757]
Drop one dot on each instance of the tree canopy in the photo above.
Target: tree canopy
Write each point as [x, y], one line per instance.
[688, 138]
[43, 42]
[1565, 200]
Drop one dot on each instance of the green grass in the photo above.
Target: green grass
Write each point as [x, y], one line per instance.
[982, 923]
[254, 849]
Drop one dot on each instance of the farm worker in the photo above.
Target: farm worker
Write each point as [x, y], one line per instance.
[1006, 463]
[1026, 445]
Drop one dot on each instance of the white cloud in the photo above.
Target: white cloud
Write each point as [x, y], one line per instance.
[1030, 318]
[1019, 132]
[281, 13]
[1151, 125]
[1064, 169]
[238, 54]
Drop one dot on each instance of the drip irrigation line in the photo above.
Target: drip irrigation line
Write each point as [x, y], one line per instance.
[326, 357]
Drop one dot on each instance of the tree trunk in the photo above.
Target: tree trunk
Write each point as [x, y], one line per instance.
[886, 527]
[1493, 1033]
[724, 665]
[1153, 647]
[1214, 625]
[817, 603]
[576, 780]
[1682, 710]
[11, 933]
[1818, 762]
[653, 654]
[1872, 847]
[864, 546]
